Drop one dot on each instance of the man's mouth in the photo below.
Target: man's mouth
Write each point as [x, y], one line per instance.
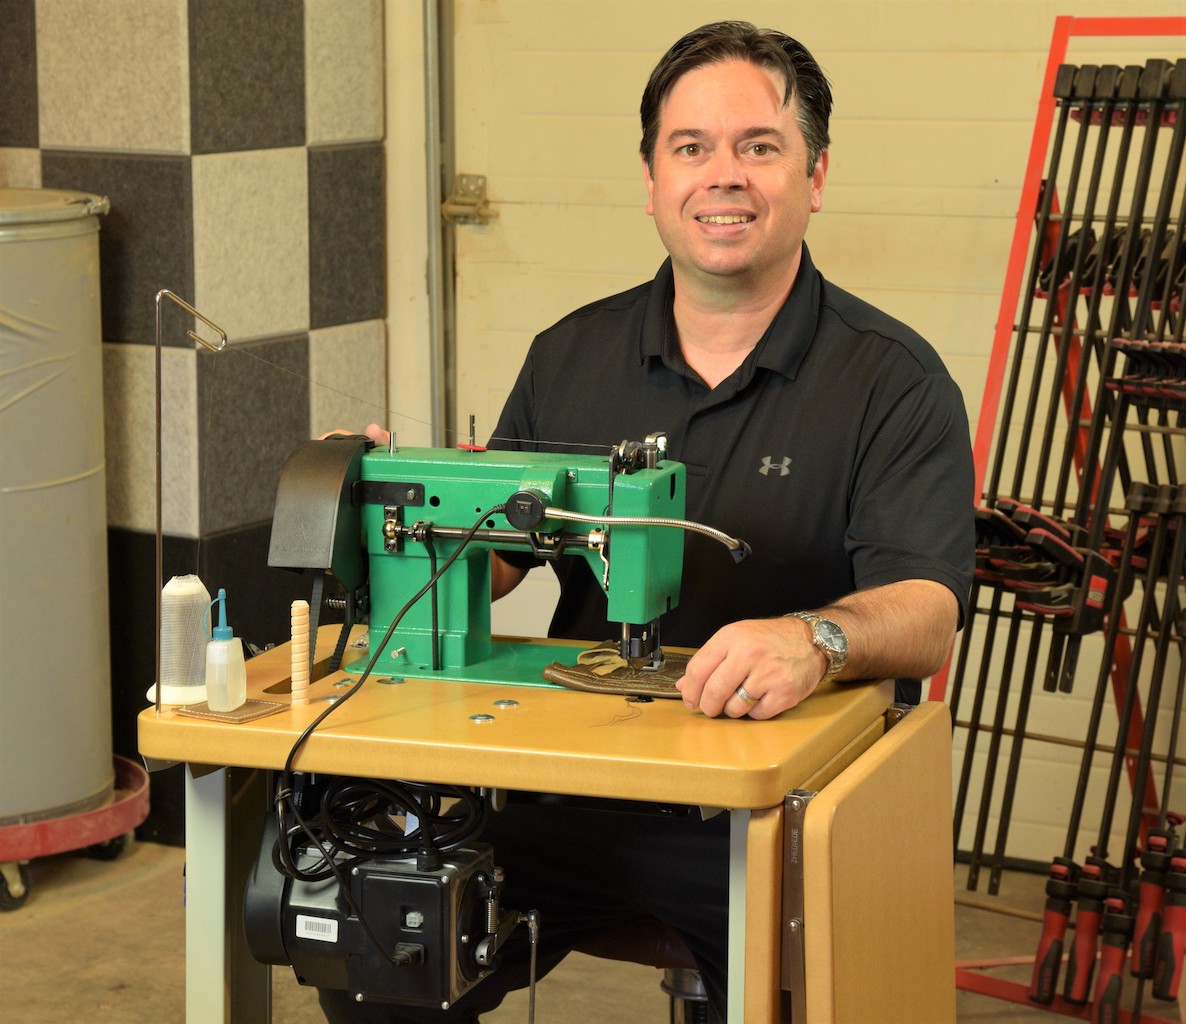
[732, 218]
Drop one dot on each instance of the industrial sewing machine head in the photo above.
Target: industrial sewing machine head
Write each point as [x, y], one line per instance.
[408, 533]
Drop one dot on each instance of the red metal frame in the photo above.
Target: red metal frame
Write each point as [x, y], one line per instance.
[970, 978]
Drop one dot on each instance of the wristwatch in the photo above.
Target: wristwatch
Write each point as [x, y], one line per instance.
[829, 638]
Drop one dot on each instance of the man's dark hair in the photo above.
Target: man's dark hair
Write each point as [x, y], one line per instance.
[739, 40]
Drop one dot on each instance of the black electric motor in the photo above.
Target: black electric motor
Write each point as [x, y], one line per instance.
[415, 929]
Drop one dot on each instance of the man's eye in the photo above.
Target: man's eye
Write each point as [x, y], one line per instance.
[691, 149]
[760, 149]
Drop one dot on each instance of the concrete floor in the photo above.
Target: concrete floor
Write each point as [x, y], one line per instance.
[103, 941]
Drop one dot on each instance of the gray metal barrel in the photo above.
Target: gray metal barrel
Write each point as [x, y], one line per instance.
[55, 674]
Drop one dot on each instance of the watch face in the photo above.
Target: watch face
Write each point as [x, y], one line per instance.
[832, 636]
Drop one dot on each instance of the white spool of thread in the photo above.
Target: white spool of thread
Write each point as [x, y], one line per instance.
[300, 652]
[184, 600]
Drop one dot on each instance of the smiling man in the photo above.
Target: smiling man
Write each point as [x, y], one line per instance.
[823, 432]
[826, 434]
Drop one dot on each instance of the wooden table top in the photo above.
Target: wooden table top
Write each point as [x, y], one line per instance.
[550, 740]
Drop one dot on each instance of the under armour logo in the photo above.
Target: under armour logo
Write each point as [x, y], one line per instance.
[769, 464]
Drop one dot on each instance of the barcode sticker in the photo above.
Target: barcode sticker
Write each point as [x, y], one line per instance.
[324, 929]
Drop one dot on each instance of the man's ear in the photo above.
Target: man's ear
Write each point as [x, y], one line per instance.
[818, 177]
[650, 183]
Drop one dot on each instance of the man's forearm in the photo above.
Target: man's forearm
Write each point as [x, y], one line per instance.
[504, 577]
[762, 667]
[901, 630]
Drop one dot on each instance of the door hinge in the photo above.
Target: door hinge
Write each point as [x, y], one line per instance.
[467, 202]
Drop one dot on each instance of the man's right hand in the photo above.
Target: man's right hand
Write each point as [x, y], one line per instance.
[376, 433]
[504, 577]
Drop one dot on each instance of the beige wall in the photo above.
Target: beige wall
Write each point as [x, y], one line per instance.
[934, 107]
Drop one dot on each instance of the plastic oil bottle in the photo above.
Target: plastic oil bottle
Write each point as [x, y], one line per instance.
[226, 673]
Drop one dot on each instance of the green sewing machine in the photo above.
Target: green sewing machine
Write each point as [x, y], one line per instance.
[407, 533]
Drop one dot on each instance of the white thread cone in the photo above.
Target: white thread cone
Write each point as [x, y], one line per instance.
[184, 601]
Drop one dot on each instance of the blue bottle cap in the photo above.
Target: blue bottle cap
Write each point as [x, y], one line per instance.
[222, 631]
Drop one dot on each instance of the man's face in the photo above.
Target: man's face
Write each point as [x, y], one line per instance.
[730, 190]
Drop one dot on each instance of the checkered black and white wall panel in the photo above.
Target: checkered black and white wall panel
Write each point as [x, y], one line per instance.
[241, 148]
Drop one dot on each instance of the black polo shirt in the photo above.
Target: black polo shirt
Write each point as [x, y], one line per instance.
[839, 451]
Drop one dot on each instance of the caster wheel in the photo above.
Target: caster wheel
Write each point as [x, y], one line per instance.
[14, 886]
[109, 849]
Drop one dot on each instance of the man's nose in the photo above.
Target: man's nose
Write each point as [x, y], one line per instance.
[726, 170]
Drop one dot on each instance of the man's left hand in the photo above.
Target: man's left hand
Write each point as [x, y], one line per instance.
[770, 662]
[763, 667]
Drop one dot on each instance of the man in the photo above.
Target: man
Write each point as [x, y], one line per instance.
[819, 430]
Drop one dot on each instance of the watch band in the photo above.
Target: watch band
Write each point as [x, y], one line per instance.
[836, 659]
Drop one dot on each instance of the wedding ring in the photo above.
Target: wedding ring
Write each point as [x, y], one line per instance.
[745, 695]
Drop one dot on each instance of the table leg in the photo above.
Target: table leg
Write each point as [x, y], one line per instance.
[763, 916]
[224, 810]
[738, 843]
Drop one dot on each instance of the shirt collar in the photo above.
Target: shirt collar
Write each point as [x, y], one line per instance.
[793, 329]
[780, 349]
[658, 327]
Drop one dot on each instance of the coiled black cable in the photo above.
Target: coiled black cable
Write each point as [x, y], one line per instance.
[367, 819]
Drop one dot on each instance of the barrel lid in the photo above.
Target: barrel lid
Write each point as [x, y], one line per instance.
[37, 205]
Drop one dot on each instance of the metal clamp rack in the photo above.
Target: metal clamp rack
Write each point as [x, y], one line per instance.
[1079, 457]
